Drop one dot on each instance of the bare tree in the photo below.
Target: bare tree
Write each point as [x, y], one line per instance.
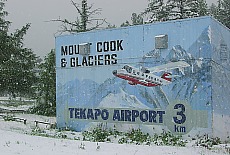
[86, 20]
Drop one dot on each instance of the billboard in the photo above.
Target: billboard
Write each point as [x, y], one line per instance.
[154, 77]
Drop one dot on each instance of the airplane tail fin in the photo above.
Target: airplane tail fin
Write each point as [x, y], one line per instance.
[167, 76]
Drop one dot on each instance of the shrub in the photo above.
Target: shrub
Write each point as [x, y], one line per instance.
[207, 141]
[135, 136]
[9, 117]
[96, 135]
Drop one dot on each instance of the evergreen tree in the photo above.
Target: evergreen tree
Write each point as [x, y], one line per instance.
[16, 62]
[46, 87]
[224, 16]
[4, 24]
[4, 38]
[180, 9]
[157, 10]
[19, 67]
[213, 10]
[136, 19]
[126, 23]
[221, 12]
[202, 8]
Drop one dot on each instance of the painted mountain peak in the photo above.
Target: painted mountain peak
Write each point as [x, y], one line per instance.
[192, 85]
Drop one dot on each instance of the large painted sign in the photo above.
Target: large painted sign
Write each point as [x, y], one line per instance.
[149, 76]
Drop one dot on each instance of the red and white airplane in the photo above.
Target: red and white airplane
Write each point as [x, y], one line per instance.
[146, 77]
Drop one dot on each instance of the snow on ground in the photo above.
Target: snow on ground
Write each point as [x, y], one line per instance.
[17, 139]
[14, 141]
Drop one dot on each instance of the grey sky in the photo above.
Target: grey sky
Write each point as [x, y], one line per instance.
[41, 36]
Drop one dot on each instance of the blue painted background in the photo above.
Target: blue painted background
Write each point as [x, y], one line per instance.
[197, 41]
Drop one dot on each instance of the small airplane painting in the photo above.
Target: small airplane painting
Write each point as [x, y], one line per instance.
[146, 77]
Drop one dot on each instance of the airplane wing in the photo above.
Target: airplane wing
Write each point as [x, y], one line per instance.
[169, 66]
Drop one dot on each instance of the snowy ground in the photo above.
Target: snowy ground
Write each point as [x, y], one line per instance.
[14, 141]
[16, 138]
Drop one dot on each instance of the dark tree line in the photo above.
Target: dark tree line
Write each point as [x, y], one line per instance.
[165, 10]
[161, 10]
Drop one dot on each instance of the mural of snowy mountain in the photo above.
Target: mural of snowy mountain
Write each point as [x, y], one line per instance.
[195, 83]
[123, 100]
[111, 91]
